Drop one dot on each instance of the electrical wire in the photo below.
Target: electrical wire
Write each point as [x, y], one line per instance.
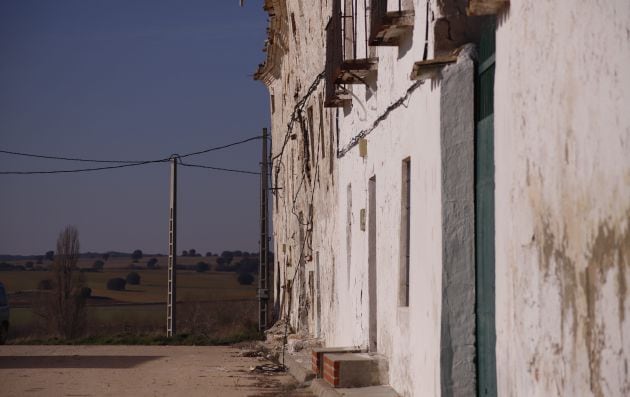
[219, 168]
[81, 169]
[125, 163]
[49, 157]
[41, 156]
[222, 147]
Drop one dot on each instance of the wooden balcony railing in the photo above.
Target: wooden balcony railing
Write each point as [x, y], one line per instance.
[387, 27]
[342, 64]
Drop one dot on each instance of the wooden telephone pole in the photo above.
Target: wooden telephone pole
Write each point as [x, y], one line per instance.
[263, 267]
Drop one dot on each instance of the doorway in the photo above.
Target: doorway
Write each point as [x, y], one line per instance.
[484, 215]
[372, 268]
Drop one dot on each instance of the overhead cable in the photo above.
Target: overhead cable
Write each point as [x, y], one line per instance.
[50, 157]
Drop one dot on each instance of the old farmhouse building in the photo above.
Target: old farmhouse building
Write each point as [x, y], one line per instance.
[451, 189]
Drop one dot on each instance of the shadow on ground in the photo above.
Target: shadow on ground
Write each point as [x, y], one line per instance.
[122, 362]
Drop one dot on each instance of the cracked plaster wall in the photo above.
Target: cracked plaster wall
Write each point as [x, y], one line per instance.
[562, 161]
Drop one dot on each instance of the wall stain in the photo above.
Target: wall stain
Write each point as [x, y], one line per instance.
[609, 249]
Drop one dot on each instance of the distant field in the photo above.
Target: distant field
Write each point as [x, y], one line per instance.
[191, 286]
[141, 307]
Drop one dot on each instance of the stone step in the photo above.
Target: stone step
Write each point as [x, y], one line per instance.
[349, 370]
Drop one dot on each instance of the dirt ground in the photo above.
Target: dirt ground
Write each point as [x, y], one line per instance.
[137, 371]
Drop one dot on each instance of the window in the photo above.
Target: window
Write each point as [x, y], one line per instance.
[311, 129]
[349, 228]
[405, 231]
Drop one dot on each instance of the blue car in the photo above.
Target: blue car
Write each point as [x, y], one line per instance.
[4, 315]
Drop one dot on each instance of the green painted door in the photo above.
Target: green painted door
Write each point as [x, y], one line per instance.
[484, 215]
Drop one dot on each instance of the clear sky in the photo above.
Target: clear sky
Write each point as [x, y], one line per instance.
[130, 79]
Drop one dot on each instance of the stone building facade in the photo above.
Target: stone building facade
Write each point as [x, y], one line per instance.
[451, 188]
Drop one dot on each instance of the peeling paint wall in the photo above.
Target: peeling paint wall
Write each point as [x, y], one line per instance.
[408, 336]
[562, 196]
[562, 161]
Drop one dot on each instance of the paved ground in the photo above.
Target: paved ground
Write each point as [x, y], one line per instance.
[137, 371]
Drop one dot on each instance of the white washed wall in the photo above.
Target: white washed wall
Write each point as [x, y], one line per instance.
[562, 158]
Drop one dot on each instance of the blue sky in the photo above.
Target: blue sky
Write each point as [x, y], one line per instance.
[130, 79]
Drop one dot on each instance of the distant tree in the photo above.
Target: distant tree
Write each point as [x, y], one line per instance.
[184, 253]
[245, 279]
[29, 265]
[202, 267]
[136, 255]
[45, 284]
[116, 284]
[64, 309]
[192, 252]
[98, 265]
[247, 265]
[133, 278]
[227, 256]
[245, 253]
[105, 256]
[208, 253]
[237, 253]
[40, 259]
[152, 263]
[50, 255]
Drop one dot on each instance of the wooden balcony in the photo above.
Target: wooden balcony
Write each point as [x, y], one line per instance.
[342, 66]
[387, 27]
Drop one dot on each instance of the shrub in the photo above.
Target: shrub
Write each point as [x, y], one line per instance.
[247, 265]
[227, 256]
[136, 255]
[50, 255]
[45, 284]
[86, 292]
[98, 265]
[202, 267]
[245, 279]
[152, 263]
[133, 278]
[116, 284]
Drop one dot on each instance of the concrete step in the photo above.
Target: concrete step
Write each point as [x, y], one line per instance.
[317, 360]
[299, 365]
[347, 370]
[321, 388]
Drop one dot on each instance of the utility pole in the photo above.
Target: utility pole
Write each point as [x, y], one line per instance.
[263, 267]
[171, 299]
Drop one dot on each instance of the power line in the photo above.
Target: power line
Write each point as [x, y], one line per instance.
[50, 157]
[41, 156]
[80, 170]
[221, 147]
[219, 168]
[125, 163]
